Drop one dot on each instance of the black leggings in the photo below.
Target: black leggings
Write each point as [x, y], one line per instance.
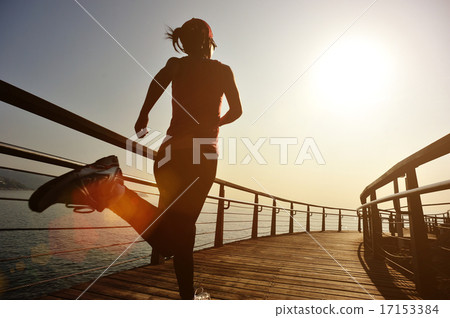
[183, 188]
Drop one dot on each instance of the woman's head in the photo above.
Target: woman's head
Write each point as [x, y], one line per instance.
[196, 38]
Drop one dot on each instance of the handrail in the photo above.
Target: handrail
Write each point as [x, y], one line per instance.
[264, 194]
[22, 99]
[420, 224]
[433, 151]
[35, 155]
[427, 204]
[64, 228]
[271, 206]
[438, 186]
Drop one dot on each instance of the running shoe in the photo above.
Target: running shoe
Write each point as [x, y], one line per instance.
[85, 189]
[201, 294]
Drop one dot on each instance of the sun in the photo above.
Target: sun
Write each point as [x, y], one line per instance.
[353, 75]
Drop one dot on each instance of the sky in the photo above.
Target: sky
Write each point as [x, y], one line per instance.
[365, 83]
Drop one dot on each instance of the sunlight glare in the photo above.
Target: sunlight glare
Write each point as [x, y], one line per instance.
[353, 75]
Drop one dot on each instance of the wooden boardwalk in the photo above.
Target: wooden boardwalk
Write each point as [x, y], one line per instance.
[282, 267]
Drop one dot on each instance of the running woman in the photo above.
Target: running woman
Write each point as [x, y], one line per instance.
[185, 166]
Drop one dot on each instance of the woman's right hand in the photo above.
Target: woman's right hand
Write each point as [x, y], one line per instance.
[141, 126]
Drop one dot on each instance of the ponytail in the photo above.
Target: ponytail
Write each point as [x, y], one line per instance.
[175, 36]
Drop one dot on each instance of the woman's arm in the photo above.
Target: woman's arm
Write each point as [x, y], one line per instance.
[232, 95]
[157, 87]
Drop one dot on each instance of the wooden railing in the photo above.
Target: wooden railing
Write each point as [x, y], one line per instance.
[417, 243]
[290, 208]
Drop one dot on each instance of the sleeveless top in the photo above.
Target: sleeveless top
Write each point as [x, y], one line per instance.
[197, 90]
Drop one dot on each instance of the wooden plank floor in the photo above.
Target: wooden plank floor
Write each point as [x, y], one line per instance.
[283, 267]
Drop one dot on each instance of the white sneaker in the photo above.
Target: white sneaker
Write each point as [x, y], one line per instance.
[201, 294]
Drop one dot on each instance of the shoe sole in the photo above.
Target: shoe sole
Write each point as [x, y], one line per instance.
[49, 193]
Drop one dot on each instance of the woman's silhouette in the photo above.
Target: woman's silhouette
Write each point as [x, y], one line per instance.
[198, 84]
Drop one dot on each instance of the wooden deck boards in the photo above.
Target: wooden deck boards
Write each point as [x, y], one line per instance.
[333, 266]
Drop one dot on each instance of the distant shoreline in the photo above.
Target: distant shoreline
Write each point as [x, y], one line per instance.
[10, 184]
[18, 180]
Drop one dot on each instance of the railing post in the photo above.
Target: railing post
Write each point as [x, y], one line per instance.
[391, 224]
[291, 219]
[308, 219]
[323, 219]
[156, 258]
[398, 216]
[429, 222]
[255, 218]
[423, 273]
[340, 221]
[376, 229]
[218, 241]
[273, 228]
[436, 227]
[365, 217]
[359, 221]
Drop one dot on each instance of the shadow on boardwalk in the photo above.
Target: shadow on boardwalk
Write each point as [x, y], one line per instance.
[384, 276]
